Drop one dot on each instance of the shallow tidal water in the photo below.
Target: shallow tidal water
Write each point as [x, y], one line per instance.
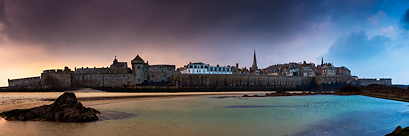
[319, 115]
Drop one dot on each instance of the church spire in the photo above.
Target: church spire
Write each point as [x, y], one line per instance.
[322, 61]
[254, 67]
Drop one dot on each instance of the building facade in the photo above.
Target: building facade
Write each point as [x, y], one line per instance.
[202, 68]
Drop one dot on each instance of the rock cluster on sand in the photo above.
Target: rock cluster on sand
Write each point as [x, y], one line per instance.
[65, 109]
[399, 132]
[348, 90]
[375, 90]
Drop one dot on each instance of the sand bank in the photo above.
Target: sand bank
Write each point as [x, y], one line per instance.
[89, 97]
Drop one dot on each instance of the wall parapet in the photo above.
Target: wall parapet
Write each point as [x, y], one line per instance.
[215, 80]
[24, 82]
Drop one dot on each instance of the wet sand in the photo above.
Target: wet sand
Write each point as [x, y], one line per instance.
[89, 97]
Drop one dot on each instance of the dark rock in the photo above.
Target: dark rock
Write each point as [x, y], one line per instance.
[348, 90]
[65, 109]
[388, 92]
[399, 132]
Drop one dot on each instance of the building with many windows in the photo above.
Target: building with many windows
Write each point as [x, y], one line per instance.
[202, 68]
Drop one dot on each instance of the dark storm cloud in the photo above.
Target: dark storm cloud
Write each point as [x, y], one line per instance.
[177, 23]
[3, 17]
[405, 20]
[93, 22]
[357, 48]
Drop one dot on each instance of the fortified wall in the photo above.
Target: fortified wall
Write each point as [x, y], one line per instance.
[381, 81]
[116, 76]
[25, 82]
[320, 80]
[120, 75]
[258, 81]
[56, 78]
[155, 73]
[240, 81]
[65, 78]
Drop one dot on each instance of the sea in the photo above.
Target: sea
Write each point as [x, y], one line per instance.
[316, 115]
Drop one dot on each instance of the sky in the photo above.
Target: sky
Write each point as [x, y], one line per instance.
[370, 37]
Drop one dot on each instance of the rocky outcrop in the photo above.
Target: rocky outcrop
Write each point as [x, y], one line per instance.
[348, 90]
[399, 132]
[65, 109]
[388, 92]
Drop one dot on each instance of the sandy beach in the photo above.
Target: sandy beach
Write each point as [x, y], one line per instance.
[89, 97]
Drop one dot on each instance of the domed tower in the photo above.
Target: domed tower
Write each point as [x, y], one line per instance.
[139, 69]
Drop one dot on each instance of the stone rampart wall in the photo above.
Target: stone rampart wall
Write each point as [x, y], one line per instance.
[25, 82]
[56, 78]
[161, 73]
[213, 80]
[334, 79]
[382, 81]
[103, 80]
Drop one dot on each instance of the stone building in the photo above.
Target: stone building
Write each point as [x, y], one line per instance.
[118, 74]
[115, 67]
[308, 70]
[326, 69]
[342, 71]
[202, 68]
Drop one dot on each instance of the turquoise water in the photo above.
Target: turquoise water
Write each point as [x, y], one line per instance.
[294, 115]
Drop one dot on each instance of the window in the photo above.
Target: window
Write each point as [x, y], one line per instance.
[109, 71]
[188, 71]
[98, 71]
[123, 71]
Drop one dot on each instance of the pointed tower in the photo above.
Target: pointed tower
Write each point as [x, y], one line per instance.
[322, 61]
[139, 69]
[254, 66]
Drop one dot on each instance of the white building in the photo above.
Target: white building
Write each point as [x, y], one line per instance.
[201, 68]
